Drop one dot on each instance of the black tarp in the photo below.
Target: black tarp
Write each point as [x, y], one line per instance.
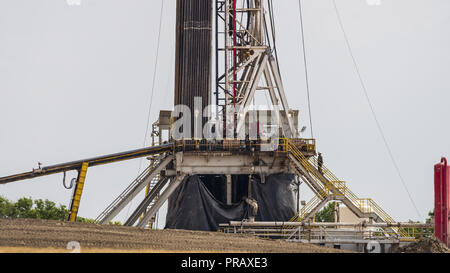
[276, 198]
[193, 207]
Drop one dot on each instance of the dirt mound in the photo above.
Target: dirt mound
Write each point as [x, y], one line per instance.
[426, 245]
[52, 236]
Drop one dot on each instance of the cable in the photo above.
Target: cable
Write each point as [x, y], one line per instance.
[366, 93]
[273, 31]
[153, 88]
[266, 32]
[305, 61]
[154, 73]
[72, 182]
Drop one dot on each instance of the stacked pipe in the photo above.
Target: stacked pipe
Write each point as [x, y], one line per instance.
[193, 53]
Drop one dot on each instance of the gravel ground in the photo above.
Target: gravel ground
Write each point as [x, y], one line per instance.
[30, 235]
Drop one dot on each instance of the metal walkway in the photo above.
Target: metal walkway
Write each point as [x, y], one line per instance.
[328, 187]
[348, 235]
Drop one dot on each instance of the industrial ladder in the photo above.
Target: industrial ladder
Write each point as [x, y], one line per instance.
[333, 188]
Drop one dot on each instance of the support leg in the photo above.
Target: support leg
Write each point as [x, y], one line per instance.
[76, 199]
[141, 209]
[229, 189]
[131, 191]
[161, 200]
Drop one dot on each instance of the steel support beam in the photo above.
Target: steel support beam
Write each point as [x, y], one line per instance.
[229, 190]
[317, 208]
[161, 200]
[95, 161]
[228, 163]
[143, 206]
[307, 178]
[277, 78]
[255, 82]
[125, 198]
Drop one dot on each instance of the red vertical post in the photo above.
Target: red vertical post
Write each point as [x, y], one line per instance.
[234, 52]
[442, 201]
[234, 63]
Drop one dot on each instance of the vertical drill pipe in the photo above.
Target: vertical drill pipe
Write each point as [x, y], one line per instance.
[193, 53]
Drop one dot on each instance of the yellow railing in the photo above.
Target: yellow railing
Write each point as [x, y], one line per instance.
[329, 181]
[306, 209]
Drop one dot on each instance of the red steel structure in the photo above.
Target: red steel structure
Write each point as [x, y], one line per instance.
[442, 201]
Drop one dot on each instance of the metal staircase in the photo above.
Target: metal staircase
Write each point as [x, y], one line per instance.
[145, 178]
[162, 198]
[150, 187]
[149, 201]
[328, 187]
[311, 208]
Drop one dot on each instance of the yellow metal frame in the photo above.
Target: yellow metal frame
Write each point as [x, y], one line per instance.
[366, 205]
[78, 192]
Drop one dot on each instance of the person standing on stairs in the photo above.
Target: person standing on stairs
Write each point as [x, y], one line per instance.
[320, 163]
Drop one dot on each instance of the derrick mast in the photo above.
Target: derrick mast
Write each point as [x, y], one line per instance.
[246, 63]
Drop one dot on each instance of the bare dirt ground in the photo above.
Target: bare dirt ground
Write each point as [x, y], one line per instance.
[426, 245]
[42, 236]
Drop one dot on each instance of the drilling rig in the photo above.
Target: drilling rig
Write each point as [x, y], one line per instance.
[226, 160]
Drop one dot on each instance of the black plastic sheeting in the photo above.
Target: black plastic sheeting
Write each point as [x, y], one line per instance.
[193, 207]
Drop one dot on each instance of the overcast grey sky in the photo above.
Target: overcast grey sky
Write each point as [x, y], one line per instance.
[75, 82]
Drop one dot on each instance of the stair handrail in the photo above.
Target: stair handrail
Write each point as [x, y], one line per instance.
[312, 166]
